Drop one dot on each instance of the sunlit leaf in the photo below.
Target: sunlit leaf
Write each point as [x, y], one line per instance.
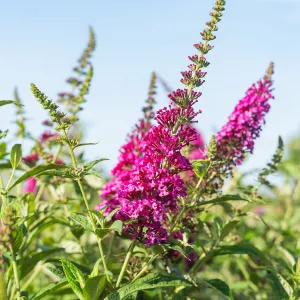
[15, 155]
[94, 287]
[50, 288]
[149, 282]
[35, 171]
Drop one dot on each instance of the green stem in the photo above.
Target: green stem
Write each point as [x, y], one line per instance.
[40, 192]
[16, 275]
[13, 292]
[74, 162]
[43, 185]
[3, 295]
[129, 253]
[72, 155]
[110, 245]
[93, 223]
[30, 279]
[203, 259]
[199, 183]
[145, 268]
[10, 178]
[177, 219]
[1, 188]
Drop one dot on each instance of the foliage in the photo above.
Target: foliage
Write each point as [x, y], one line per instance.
[175, 221]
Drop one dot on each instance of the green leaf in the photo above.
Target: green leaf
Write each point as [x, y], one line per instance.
[92, 172]
[91, 164]
[94, 287]
[278, 292]
[3, 134]
[221, 199]
[3, 152]
[149, 282]
[35, 171]
[5, 102]
[216, 228]
[287, 292]
[65, 173]
[85, 144]
[173, 246]
[220, 285]
[17, 239]
[75, 277]
[3, 294]
[15, 155]
[82, 220]
[29, 262]
[43, 224]
[95, 271]
[255, 216]
[117, 226]
[111, 214]
[99, 216]
[228, 228]
[102, 232]
[201, 167]
[56, 270]
[52, 287]
[241, 249]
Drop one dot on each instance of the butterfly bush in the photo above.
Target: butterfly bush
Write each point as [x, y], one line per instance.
[151, 188]
[162, 197]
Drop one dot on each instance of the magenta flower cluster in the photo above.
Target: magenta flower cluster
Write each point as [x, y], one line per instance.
[147, 183]
[236, 138]
[129, 154]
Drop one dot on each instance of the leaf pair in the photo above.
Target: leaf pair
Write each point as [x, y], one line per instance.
[85, 288]
[83, 221]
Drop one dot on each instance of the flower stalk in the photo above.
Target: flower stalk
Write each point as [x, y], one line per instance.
[126, 261]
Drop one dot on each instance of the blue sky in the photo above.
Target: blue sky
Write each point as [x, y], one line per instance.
[41, 41]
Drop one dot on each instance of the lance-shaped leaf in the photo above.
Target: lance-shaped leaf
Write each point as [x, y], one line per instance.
[282, 286]
[94, 287]
[15, 155]
[3, 134]
[85, 144]
[201, 167]
[27, 263]
[220, 285]
[228, 228]
[17, 239]
[242, 248]
[111, 214]
[50, 288]
[5, 102]
[220, 199]
[82, 220]
[116, 226]
[149, 282]
[216, 284]
[56, 270]
[36, 171]
[91, 164]
[75, 278]
[65, 173]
